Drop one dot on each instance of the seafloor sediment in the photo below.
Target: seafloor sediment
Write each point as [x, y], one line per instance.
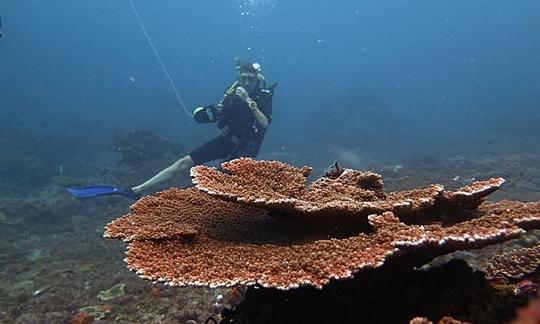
[55, 264]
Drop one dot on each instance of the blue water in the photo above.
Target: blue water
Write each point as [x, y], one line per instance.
[453, 73]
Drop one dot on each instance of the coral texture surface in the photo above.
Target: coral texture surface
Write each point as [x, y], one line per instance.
[247, 225]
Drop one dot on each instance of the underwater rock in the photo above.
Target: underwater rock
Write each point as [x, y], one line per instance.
[83, 318]
[98, 312]
[114, 292]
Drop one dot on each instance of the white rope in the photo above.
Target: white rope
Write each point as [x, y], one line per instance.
[180, 101]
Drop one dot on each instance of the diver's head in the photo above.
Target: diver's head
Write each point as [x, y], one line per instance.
[249, 76]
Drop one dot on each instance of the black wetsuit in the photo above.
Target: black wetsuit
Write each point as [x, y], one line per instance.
[241, 134]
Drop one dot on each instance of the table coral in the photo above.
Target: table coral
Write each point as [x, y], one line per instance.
[219, 235]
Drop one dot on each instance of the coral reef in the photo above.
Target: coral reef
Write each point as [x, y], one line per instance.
[177, 214]
[455, 169]
[514, 264]
[55, 263]
[190, 238]
[277, 186]
[479, 259]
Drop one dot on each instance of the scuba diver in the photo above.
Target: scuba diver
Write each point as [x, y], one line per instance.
[243, 115]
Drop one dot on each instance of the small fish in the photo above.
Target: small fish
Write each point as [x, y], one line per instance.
[132, 79]
[1, 32]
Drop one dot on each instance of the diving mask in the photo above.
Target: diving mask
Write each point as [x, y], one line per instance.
[247, 78]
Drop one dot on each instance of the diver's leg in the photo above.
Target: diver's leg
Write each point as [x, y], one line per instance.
[217, 148]
[249, 149]
[165, 174]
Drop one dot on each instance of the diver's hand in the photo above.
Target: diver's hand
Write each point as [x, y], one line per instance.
[243, 94]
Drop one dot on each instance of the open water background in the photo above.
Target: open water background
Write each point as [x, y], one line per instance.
[447, 74]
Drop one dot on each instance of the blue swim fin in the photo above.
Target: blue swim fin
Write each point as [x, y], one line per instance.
[94, 191]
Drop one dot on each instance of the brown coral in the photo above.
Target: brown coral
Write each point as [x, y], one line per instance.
[223, 262]
[176, 213]
[278, 186]
[524, 212]
[268, 182]
[188, 237]
[514, 264]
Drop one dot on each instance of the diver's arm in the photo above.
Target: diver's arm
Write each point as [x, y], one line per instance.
[252, 104]
[165, 174]
[259, 116]
[208, 114]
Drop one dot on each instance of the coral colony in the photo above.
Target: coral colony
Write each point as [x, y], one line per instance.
[256, 223]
